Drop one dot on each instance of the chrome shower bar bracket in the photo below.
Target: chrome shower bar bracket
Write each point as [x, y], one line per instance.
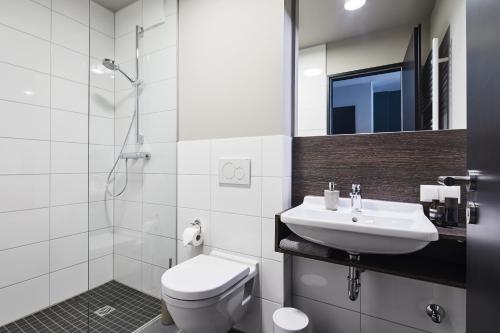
[139, 31]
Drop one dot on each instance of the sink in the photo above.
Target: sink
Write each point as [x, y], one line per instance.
[383, 227]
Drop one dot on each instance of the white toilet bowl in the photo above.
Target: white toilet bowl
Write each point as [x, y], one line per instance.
[209, 293]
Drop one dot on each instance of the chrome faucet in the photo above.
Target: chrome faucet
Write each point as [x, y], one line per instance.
[356, 204]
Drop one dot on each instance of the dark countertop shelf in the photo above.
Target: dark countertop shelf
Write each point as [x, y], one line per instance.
[441, 262]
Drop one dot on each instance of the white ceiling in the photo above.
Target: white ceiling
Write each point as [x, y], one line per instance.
[322, 21]
[114, 5]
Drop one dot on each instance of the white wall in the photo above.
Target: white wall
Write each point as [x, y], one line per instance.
[386, 304]
[44, 231]
[361, 96]
[231, 69]
[451, 13]
[239, 218]
[312, 92]
[145, 215]
[372, 50]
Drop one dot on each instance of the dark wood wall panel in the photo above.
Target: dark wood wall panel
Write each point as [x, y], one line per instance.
[389, 166]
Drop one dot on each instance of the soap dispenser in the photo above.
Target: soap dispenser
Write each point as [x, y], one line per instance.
[331, 197]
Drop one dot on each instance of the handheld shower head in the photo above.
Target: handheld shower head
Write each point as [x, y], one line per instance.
[110, 64]
[114, 66]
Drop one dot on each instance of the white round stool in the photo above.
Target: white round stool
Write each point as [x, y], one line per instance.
[290, 320]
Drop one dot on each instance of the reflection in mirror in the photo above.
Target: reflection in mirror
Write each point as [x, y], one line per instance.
[387, 66]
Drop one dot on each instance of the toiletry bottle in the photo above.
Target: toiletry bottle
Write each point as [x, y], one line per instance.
[451, 212]
[331, 197]
[433, 210]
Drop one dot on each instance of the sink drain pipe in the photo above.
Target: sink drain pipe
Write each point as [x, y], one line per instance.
[353, 278]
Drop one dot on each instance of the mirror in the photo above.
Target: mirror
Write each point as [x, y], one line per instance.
[368, 66]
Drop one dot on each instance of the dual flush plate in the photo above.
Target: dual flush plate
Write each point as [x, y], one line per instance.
[234, 171]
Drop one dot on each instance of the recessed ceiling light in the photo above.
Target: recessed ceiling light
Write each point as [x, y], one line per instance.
[354, 4]
[313, 72]
[29, 93]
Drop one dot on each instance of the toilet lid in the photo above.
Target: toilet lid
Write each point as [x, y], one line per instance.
[202, 277]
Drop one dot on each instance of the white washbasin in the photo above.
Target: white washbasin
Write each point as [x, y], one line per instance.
[382, 227]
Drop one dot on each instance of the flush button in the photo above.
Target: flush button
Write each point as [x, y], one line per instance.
[234, 171]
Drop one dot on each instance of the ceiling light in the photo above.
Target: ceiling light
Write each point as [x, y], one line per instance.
[313, 72]
[29, 93]
[354, 4]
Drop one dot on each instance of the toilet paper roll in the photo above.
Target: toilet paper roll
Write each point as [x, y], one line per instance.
[192, 236]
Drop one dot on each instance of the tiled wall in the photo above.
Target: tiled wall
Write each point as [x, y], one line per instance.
[386, 304]
[44, 137]
[239, 219]
[145, 215]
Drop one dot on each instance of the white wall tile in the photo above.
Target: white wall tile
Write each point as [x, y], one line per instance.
[127, 18]
[159, 220]
[68, 251]
[161, 36]
[251, 321]
[194, 191]
[128, 243]
[128, 271]
[102, 19]
[125, 49]
[133, 191]
[27, 16]
[125, 105]
[381, 298]
[24, 156]
[102, 103]
[13, 299]
[272, 282]
[75, 9]
[101, 131]
[24, 192]
[187, 216]
[160, 189]
[122, 83]
[187, 252]
[170, 7]
[328, 318]
[159, 96]
[128, 214]
[375, 325]
[160, 65]
[45, 3]
[101, 77]
[69, 126]
[69, 157]
[68, 282]
[100, 243]
[68, 220]
[24, 85]
[100, 214]
[24, 121]
[69, 96]
[101, 45]
[160, 127]
[153, 12]
[151, 279]
[24, 50]
[100, 271]
[70, 65]
[194, 157]
[276, 195]
[238, 199]
[237, 233]
[101, 158]
[322, 281]
[70, 34]
[164, 158]
[158, 250]
[277, 156]
[268, 239]
[23, 263]
[23, 227]
[68, 189]
[237, 148]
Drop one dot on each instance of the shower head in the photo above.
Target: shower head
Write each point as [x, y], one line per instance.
[110, 64]
[114, 66]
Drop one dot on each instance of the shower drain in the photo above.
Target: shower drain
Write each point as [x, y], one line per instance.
[104, 311]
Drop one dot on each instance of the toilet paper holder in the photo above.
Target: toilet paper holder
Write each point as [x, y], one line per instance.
[196, 223]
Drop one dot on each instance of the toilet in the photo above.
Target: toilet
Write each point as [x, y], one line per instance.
[209, 293]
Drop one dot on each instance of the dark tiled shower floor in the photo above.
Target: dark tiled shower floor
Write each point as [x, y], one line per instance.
[133, 310]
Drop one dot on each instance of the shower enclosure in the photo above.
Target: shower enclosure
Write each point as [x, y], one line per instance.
[88, 119]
